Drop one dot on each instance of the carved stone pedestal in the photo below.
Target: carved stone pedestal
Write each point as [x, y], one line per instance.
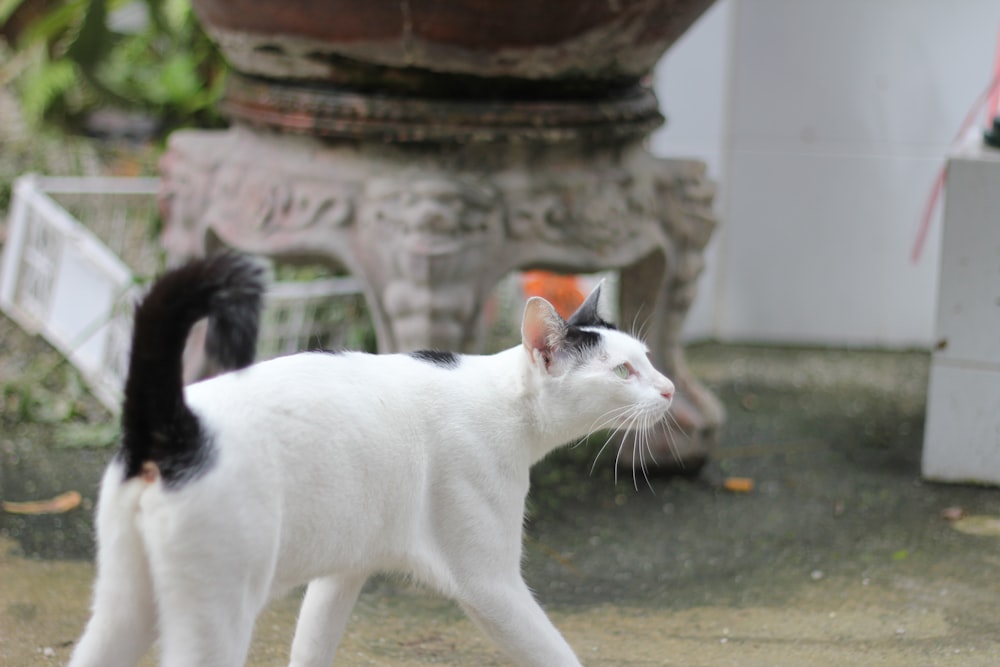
[431, 228]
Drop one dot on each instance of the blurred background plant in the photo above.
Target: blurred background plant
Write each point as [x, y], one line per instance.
[110, 67]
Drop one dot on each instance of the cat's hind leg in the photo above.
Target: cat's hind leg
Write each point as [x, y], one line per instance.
[123, 624]
[207, 609]
[212, 555]
[322, 619]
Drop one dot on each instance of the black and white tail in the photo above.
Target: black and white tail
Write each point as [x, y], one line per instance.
[157, 426]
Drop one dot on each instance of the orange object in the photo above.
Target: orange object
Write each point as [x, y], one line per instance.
[738, 484]
[61, 503]
[560, 290]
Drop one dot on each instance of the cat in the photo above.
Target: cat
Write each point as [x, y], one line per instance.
[323, 468]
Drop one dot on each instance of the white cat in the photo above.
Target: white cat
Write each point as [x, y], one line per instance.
[327, 467]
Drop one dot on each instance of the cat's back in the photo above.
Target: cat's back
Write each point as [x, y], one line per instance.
[356, 382]
[365, 412]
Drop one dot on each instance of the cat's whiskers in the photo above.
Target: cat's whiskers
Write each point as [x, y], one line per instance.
[601, 423]
[646, 431]
[650, 427]
[637, 332]
[618, 456]
[612, 435]
[668, 424]
[642, 464]
[606, 420]
[628, 421]
[642, 426]
[635, 440]
[621, 418]
[641, 436]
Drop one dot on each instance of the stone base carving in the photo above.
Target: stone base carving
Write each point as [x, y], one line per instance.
[431, 229]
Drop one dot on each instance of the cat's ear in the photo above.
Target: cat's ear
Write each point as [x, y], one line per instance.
[588, 314]
[542, 329]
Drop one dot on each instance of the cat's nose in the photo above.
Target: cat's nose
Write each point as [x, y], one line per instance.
[667, 390]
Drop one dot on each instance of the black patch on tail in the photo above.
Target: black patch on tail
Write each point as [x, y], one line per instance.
[437, 357]
[157, 425]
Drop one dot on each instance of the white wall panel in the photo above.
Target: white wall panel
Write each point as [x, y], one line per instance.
[835, 117]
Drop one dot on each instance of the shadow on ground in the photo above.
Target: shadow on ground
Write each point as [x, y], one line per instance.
[838, 556]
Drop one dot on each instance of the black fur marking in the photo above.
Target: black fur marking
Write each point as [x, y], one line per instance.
[188, 464]
[589, 318]
[588, 314]
[580, 341]
[437, 357]
[157, 425]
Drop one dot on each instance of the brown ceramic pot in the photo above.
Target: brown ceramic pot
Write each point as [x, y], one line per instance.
[547, 49]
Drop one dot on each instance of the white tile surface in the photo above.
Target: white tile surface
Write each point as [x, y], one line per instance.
[836, 117]
[816, 251]
[962, 435]
[968, 321]
[858, 76]
[691, 84]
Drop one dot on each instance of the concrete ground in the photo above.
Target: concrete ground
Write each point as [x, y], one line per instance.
[840, 555]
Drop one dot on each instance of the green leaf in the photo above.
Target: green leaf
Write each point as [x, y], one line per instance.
[158, 18]
[51, 26]
[179, 77]
[94, 39]
[8, 7]
[40, 90]
[177, 13]
[170, 68]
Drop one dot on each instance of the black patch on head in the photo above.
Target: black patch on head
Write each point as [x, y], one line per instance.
[588, 314]
[437, 357]
[589, 318]
[578, 341]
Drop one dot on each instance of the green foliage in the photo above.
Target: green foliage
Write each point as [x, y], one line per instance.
[149, 56]
[51, 392]
[7, 9]
[49, 82]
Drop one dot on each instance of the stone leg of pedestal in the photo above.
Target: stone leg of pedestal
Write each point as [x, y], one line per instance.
[430, 230]
[655, 295]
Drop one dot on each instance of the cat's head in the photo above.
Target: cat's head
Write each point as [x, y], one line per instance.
[605, 374]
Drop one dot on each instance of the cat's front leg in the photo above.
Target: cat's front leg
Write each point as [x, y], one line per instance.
[509, 614]
[322, 619]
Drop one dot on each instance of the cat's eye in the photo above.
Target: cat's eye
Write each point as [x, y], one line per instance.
[624, 371]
